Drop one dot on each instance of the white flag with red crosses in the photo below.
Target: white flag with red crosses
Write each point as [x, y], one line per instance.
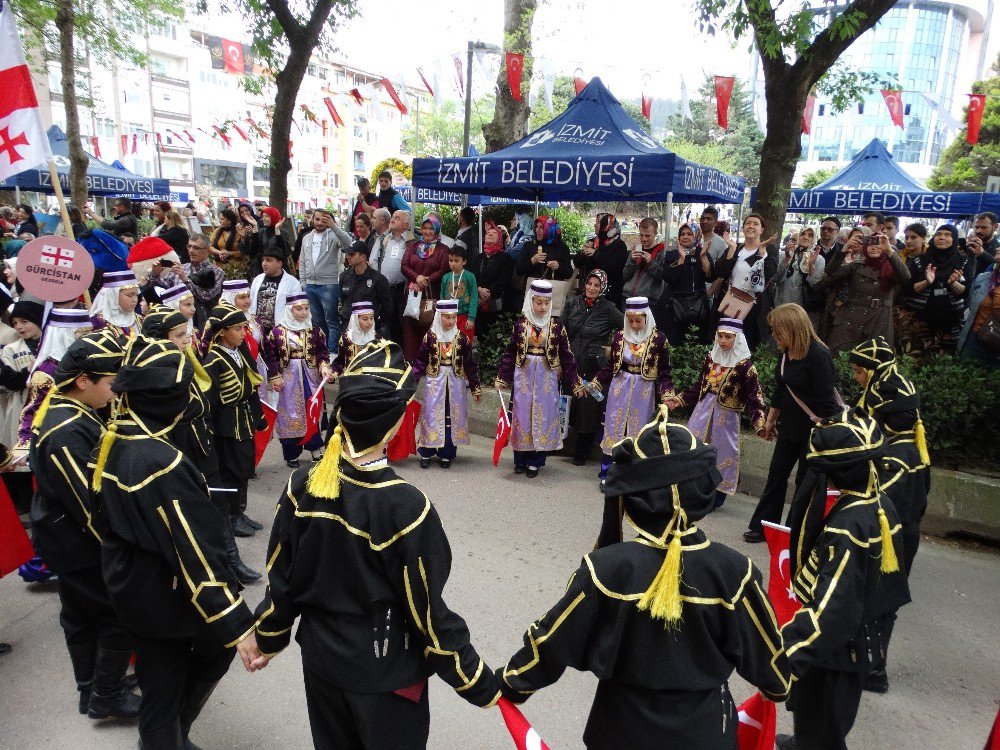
[23, 143]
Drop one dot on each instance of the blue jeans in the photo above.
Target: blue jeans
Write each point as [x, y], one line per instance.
[323, 307]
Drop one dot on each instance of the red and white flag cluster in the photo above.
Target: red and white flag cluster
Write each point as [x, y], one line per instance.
[23, 143]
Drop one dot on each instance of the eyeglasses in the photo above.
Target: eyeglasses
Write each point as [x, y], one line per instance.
[195, 246]
[828, 229]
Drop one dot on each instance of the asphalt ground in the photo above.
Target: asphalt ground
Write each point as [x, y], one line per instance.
[515, 543]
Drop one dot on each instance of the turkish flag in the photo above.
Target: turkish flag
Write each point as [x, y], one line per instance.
[232, 54]
[15, 547]
[242, 133]
[723, 93]
[758, 724]
[95, 145]
[391, 91]
[459, 75]
[420, 72]
[23, 143]
[334, 114]
[262, 437]
[779, 580]
[159, 143]
[977, 105]
[503, 433]
[515, 67]
[894, 102]
[807, 114]
[404, 442]
[992, 742]
[578, 83]
[124, 142]
[647, 106]
[225, 138]
[525, 736]
[135, 142]
[357, 97]
[314, 412]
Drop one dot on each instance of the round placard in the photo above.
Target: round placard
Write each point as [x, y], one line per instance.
[55, 269]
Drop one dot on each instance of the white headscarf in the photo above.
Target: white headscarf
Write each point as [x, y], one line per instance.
[58, 336]
[106, 305]
[288, 320]
[538, 288]
[740, 350]
[638, 305]
[354, 332]
[443, 336]
[174, 302]
[232, 288]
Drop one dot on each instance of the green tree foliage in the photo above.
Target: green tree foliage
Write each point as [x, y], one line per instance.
[709, 154]
[813, 179]
[441, 129]
[966, 167]
[739, 147]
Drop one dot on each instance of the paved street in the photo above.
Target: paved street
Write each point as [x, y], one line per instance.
[515, 542]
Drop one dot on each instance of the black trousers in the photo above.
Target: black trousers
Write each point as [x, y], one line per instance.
[20, 489]
[235, 469]
[176, 676]
[824, 706]
[86, 615]
[910, 535]
[772, 500]
[343, 720]
[392, 318]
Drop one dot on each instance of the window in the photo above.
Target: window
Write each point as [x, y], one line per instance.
[261, 174]
[335, 181]
[358, 132]
[822, 110]
[326, 155]
[308, 181]
[221, 176]
[341, 78]
[359, 161]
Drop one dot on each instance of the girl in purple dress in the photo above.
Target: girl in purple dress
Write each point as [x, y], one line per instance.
[726, 387]
[635, 379]
[531, 365]
[360, 332]
[445, 359]
[297, 359]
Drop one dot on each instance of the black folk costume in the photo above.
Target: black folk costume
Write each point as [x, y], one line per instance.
[361, 557]
[904, 472]
[235, 410]
[63, 531]
[845, 574]
[163, 553]
[661, 620]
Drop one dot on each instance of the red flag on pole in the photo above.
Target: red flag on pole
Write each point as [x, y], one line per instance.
[723, 93]
[262, 437]
[357, 97]
[232, 53]
[807, 114]
[187, 134]
[334, 115]
[894, 102]
[758, 724]
[977, 105]
[459, 74]
[404, 442]
[647, 106]
[779, 580]
[525, 736]
[314, 412]
[578, 83]
[225, 138]
[420, 72]
[515, 67]
[391, 91]
[242, 133]
[503, 432]
[159, 143]
[15, 547]
[992, 742]
[135, 142]
[123, 139]
[95, 146]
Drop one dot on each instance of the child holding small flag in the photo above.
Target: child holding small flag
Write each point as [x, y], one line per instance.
[445, 359]
[297, 362]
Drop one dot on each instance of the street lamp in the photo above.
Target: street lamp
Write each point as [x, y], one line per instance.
[473, 47]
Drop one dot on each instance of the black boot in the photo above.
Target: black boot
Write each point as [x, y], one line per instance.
[240, 527]
[83, 657]
[244, 574]
[110, 699]
[195, 700]
[877, 681]
[162, 739]
[255, 525]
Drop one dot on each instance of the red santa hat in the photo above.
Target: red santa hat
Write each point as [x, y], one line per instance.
[148, 251]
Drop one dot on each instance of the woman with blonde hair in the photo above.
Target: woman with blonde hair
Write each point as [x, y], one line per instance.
[804, 392]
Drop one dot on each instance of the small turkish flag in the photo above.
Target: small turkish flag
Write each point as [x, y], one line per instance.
[723, 93]
[334, 114]
[977, 105]
[758, 724]
[135, 142]
[357, 97]
[779, 580]
[314, 412]
[578, 83]
[503, 433]
[525, 736]
[242, 133]
[225, 138]
[420, 72]
[404, 442]
[992, 742]
[647, 106]
[391, 91]
[262, 437]
[894, 102]
[124, 142]
[15, 547]
[515, 67]
[95, 145]
[232, 53]
[807, 114]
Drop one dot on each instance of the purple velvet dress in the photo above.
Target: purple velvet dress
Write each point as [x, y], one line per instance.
[295, 357]
[450, 370]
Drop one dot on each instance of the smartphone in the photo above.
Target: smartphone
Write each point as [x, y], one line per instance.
[870, 240]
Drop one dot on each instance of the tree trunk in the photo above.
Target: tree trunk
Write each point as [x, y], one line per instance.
[67, 65]
[287, 84]
[781, 149]
[511, 116]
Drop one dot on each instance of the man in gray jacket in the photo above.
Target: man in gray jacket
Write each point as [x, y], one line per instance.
[320, 265]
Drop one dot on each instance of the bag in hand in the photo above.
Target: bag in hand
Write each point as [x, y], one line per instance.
[419, 307]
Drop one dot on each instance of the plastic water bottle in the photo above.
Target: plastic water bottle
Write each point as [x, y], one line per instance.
[595, 393]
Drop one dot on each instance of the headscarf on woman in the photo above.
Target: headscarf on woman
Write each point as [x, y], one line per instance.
[273, 214]
[288, 320]
[105, 301]
[354, 332]
[444, 306]
[608, 230]
[638, 305]
[552, 229]
[881, 265]
[426, 249]
[495, 245]
[525, 225]
[740, 350]
[538, 288]
[602, 277]
[944, 260]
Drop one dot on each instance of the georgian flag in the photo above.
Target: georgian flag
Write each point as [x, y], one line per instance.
[23, 144]
[57, 256]
[525, 736]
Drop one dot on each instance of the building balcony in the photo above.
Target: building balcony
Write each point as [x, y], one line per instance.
[184, 117]
[170, 81]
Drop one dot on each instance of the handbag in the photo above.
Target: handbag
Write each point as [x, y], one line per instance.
[426, 316]
[802, 405]
[689, 308]
[736, 303]
[989, 333]
[413, 300]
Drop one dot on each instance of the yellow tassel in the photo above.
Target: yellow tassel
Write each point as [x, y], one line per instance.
[43, 409]
[920, 437]
[324, 480]
[663, 597]
[201, 377]
[102, 455]
[890, 563]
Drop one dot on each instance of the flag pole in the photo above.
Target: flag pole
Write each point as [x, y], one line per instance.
[67, 224]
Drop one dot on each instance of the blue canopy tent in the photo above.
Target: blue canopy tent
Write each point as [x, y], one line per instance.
[172, 197]
[591, 152]
[873, 181]
[102, 178]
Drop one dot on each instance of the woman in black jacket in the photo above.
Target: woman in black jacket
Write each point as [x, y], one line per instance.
[26, 221]
[608, 253]
[547, 257]
[495, 269]
[684, 300]
[805, 389]
[590, 319]
[170, 228]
